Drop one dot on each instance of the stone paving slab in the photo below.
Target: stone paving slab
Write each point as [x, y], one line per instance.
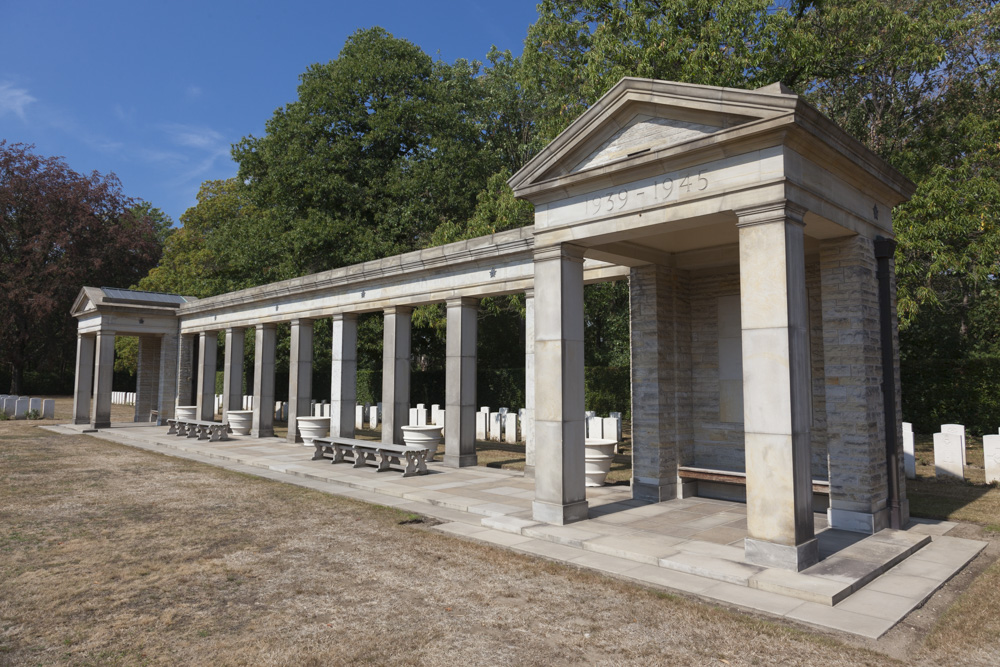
[650, 544]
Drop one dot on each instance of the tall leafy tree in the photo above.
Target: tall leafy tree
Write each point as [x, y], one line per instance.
[59, 230]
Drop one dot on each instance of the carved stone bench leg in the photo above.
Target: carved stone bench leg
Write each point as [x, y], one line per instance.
[410, 469]
[318, 454]
[172, 423]
[383, 461]
[204, 432]
[359, 458]
[421, 462]
[181, 429]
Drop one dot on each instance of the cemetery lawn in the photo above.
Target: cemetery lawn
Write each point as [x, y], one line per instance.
[114, 555]
[970, 501]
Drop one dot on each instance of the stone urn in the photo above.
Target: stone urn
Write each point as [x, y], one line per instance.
[428, 437]
[240, 421]
[311, 428]
[598, 456]
[186, 411]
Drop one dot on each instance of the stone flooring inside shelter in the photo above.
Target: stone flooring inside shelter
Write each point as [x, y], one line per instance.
[863, 585]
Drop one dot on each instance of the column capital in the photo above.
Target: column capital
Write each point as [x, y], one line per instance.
[301, 321]
[263, 326]
[342, 317]
[782, 211]
[397, 310]
[563, 251]
[529, 293]
[462, 301]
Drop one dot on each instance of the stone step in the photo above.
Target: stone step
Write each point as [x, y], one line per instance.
[848, 570]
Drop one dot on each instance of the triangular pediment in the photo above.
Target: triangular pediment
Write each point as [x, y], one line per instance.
[645, 133]
[85, 301]
[639, 120]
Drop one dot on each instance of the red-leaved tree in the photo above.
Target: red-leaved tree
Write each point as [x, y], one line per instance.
[59, 231]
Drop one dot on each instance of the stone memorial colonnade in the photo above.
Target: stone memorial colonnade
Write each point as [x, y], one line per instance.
[757, 238]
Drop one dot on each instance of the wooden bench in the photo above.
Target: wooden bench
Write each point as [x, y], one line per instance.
[411, 460]
[735, 477]
[195, 428]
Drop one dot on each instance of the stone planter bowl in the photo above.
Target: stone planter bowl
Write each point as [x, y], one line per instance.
[311, 428]
[428, 437]
[186, 411]
[240, 421]
[598, 456]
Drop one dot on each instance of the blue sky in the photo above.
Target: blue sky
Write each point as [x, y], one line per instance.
[156, 92]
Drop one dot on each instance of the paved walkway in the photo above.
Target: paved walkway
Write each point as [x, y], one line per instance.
[864, 585]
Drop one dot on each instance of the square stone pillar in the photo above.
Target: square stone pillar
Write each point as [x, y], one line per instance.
[776, 392]
[263, 381]
[852, 354]
[186, 370]
[147, 385]
[208, 351]
[660, 324]
[344, 375]
[300, 371]
[232, 371]
[167, 394]
[100, 408]
[395, 373]
[560, 495]
[528, 424]
[83, 389]
[460, 383]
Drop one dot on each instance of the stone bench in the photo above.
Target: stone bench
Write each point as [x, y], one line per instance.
[195, 428]
[735, 477]
[411, 460]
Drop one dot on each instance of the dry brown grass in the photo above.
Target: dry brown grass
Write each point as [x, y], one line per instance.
[110, 555]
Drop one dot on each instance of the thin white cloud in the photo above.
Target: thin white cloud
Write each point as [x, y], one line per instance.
[14, 100]
[193, 92]
[211, 144]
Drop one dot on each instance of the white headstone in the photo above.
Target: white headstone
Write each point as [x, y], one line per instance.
[359, 417]
[948, 455]
[373, 416]
[435, 408]
[413, 417]
[495, 426]
[959, 430]
[991, 457]
[20, 408]
[420, 406]
[503, 411]
[35, 404]
[326, 410]
[595, 427]
[481, 425]
[589, 413]
[909, 452]
[48, 409]
[612, 427]
[421, 416]
[440, 419]
[485, 409]
[8, 405]
[510, 428]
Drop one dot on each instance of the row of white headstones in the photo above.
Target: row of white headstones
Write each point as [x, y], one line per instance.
[949, 453]
[18, 407]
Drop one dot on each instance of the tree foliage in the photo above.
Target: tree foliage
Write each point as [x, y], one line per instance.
[60, 230]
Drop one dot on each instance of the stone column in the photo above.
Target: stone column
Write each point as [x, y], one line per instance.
[100, 408]
[208, 350]
[232, 371]
[169, 356]
[528, 424]
[147, 385]
[263, 381]
[185, 370]
[855, 412]
[660, 319]
[460, 383]
[300, 370]
[776, 392]
[560, 495]
[344, 375]
[395, 373]
[83, 390]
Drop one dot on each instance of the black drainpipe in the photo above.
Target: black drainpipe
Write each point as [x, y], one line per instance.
[884, 251]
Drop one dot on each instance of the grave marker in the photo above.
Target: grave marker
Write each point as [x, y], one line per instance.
[948, 456]
[909, 452]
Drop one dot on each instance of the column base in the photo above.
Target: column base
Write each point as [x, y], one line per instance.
[97, 425]
[460, 461]
[79, 422]
[868, 523]
[795, 558]
[654, 490]
[559, 515]
[529, 471]
[904, 512]
[262, 433]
